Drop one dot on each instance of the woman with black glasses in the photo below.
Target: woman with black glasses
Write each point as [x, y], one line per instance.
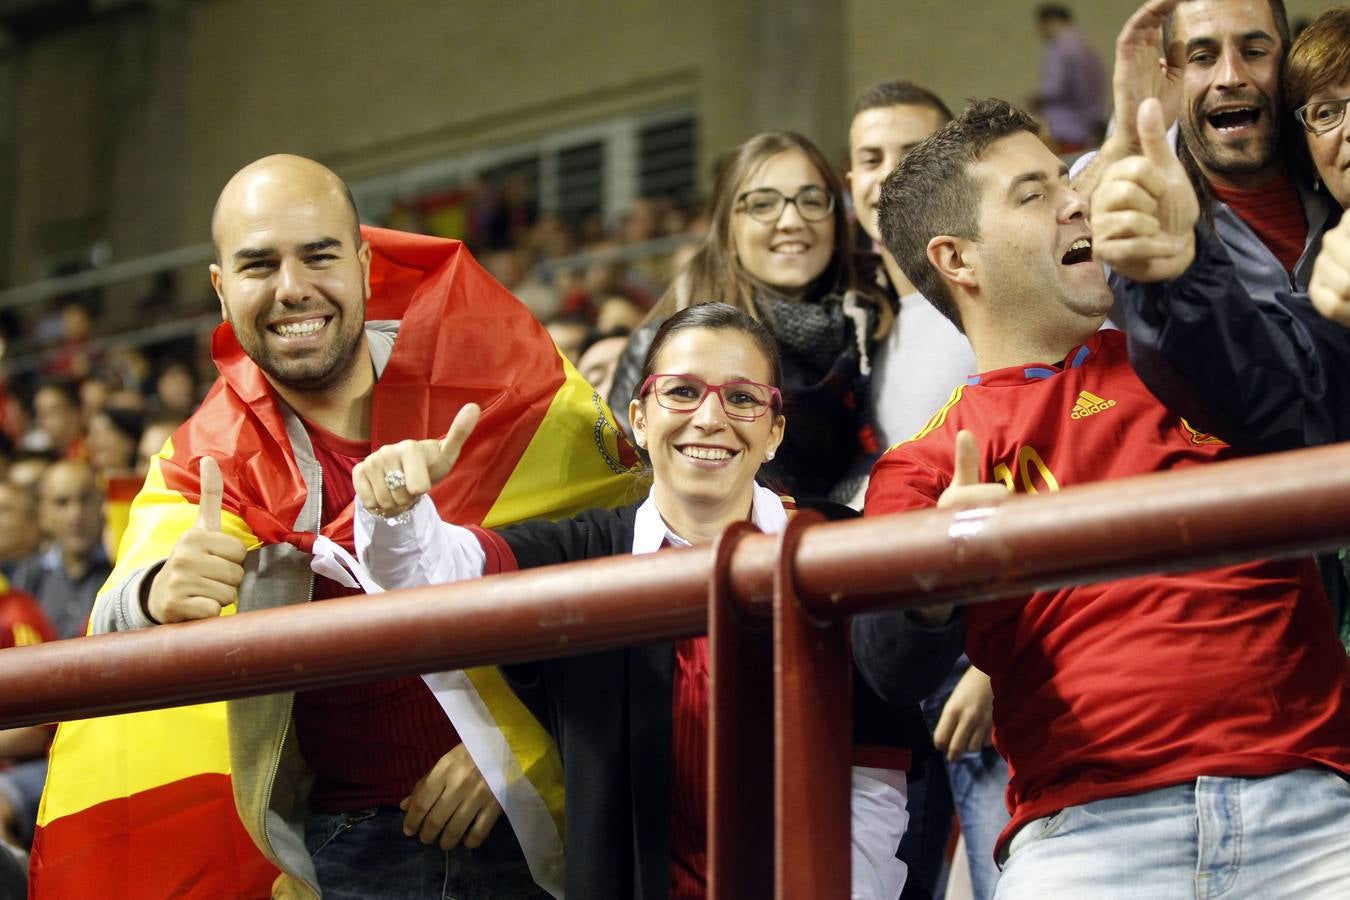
[778, 249]
[631, 724]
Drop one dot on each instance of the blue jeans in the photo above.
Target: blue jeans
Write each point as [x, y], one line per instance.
[976, 784]
[1283, 836]
[364, 854]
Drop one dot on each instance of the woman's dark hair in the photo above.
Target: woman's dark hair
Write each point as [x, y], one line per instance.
[129, 422]
[717, 316]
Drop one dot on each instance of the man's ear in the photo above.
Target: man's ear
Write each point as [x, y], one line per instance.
[214, 269]
[955, 259]
[363, 257]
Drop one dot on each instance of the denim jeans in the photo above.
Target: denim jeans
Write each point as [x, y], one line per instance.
[979, 782]
[1283, 836]
[364, 854]
[974, 785]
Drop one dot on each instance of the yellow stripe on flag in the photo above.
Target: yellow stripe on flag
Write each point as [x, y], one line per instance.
[170, 744]
[565, 470]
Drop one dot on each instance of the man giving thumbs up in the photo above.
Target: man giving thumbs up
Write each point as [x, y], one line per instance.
[1165, 718]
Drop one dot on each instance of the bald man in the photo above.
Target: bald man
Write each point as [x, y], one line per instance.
[366, 790]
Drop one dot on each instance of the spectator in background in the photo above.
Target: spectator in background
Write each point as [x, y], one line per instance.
[113, 437]
[155, 435]
[25, 470]
[924, 356]
[1072, 96]
[63, 579]
[75, 356]
[569, 333]
[18, 537]
[599, 356]
[56, 419]
[95, 389]
[65, 576]
[175, 389]
[779, 250]
[512, 268]
[23, 751]
[918, 365]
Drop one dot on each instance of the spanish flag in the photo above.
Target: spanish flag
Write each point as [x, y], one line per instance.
[141, 805]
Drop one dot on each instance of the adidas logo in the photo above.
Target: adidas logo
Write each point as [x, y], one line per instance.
[1089, 404]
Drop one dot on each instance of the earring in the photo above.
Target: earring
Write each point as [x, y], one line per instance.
[768, 456]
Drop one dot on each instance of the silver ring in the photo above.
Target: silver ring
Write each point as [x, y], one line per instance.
[393, 479]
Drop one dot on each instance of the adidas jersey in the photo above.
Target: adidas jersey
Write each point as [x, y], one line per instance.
[1116, 688]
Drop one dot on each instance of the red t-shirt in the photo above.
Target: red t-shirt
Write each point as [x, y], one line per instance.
[689, 787]
[1275, 213]
[1111, 689]
[368, 744]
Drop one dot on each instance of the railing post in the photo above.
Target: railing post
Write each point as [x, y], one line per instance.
[740, 739]
[812, 739]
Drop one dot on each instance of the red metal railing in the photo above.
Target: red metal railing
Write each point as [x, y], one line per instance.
[805, 581]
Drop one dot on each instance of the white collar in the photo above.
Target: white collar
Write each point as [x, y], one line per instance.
[650, 532]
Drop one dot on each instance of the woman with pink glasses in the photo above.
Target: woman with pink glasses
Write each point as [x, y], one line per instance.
[631, 724]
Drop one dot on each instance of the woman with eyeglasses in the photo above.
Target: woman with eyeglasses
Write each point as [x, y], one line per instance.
[778, 249]
[1317, 87]
[631, 724]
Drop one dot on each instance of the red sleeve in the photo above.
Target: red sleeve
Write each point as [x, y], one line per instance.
[499, 555]
[22, 621]
[910, 476]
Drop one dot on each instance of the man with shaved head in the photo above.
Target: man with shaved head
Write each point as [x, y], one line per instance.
[368, 790]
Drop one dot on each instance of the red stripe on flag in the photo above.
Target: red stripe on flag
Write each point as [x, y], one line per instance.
[178, 840]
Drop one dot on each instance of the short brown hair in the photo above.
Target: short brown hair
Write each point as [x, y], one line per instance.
[1319, 58]
[931, 192]
[900, 93]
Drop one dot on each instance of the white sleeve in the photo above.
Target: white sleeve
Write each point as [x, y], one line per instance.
[416, 548]
[879, 821]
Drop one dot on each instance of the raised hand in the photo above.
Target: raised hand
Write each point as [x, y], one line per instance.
[1144, 209]
[1330, 285]
[1140, 73]
[966, 489]
[202, 574]
[389, 481]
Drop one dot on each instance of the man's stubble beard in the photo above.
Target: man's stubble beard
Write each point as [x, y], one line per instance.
[333, 369]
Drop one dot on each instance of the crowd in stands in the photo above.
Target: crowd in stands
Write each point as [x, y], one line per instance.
[1228, 280]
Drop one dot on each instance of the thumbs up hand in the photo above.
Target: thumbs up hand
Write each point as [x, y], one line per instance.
[202, 574]
[1144, 208]
[966, 490]
[389, 481]
[1330, 286]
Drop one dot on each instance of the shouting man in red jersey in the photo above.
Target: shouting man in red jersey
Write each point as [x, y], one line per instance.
[1162, 732]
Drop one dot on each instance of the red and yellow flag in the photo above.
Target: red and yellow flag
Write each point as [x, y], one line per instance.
[140, 805]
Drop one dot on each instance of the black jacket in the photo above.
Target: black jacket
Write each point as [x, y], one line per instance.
[1261, 375]
[610, 714]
